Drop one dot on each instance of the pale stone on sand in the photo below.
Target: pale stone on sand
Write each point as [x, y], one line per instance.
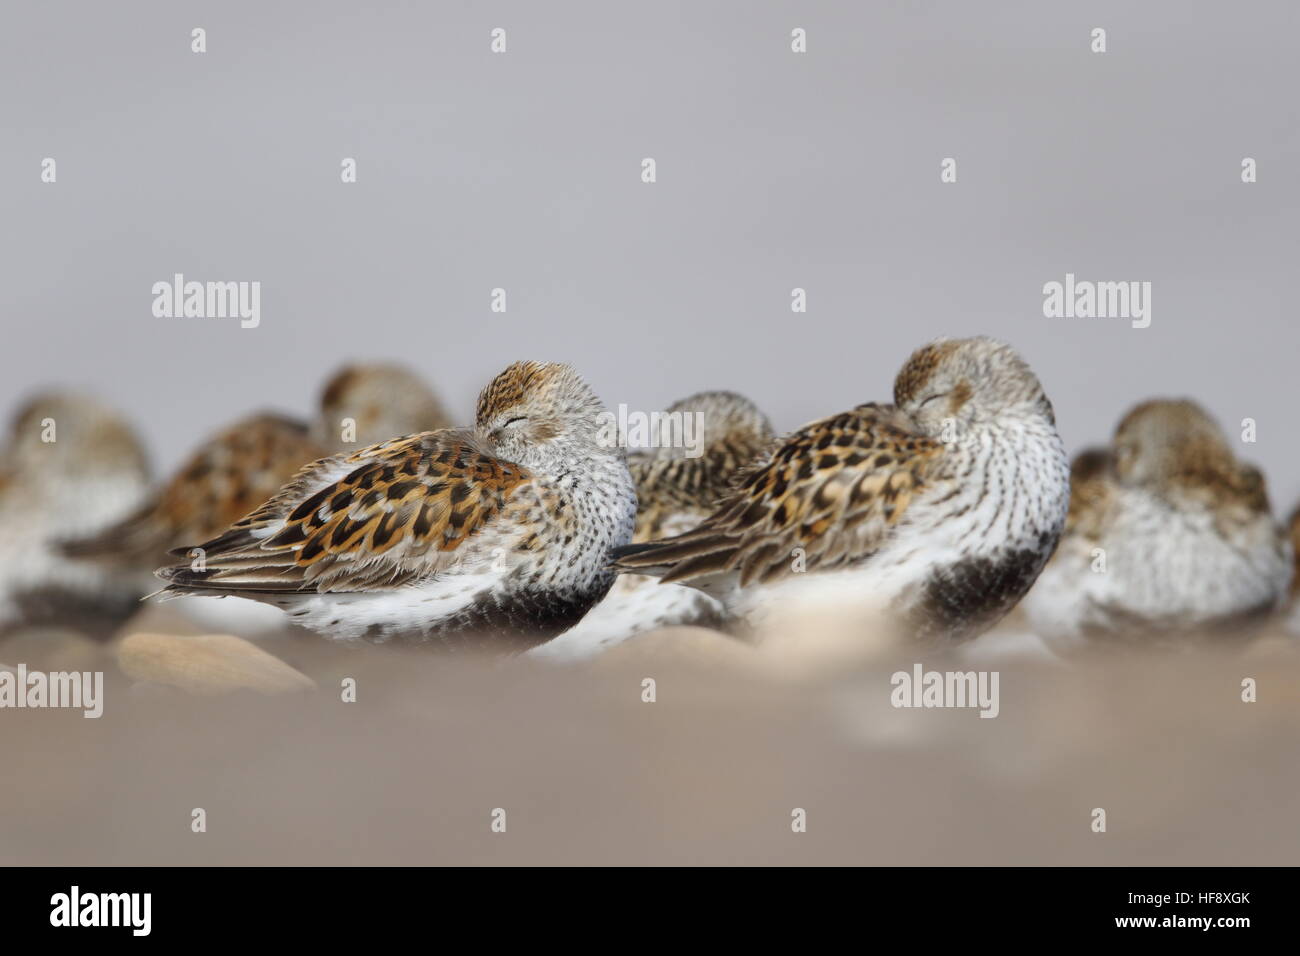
[208, 664]
[800, 641]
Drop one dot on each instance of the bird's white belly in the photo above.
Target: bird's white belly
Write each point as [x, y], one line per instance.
[1156, 565]
[634, 605]
[969, 527]
[231, 615]
[378, 615]
[1057, 605]
[1195, 572]
[868, 588]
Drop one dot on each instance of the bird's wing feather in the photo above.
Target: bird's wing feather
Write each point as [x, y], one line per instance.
[835, 489]
[385, 515]
[675, 494]
[220, 483]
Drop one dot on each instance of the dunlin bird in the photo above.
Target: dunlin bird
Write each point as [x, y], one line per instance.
[240, 467]
[938, 511]
[498, 536]
[71, 467]
[1168, 536]
[676, 490]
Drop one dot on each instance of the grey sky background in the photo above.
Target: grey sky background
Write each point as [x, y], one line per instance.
[775, 170]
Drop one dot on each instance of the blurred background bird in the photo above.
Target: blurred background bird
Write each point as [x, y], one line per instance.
[366, 403]
[241, 466]
[71, 466]
[1168, 536]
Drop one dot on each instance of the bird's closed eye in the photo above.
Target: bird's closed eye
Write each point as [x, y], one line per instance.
[510, 421]
[931, 398]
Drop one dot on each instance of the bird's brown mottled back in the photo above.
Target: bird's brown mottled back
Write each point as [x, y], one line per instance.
[396, 507]
[675, 490]
[1090, 484]
[1174, 446]
[835, 489]
[229, 476]
[339, 385]
[383, 400]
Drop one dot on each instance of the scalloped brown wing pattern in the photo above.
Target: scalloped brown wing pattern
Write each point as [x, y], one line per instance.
[226, 478]
[834, 489]
[378, 518]
[231, 475]
[675, 494]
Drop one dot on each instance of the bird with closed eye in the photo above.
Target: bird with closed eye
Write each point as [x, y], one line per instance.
[937, 512]
[496, 537]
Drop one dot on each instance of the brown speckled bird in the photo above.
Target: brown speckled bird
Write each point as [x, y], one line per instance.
[70, 467]
[241, 466]
[1168, 536]
[366, 403]
[939, 510]
[495, 537]
[228, 476]
[676, 490]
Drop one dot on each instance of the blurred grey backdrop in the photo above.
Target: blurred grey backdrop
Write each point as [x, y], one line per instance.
[775, 170]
